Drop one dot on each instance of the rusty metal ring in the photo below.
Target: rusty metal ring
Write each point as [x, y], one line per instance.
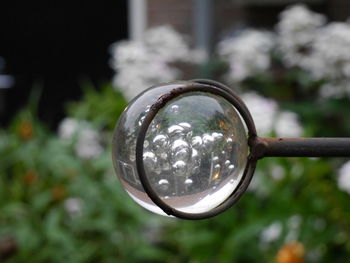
[216, 89]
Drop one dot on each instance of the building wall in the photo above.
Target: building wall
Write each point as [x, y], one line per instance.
[229, 15]
[178, 13]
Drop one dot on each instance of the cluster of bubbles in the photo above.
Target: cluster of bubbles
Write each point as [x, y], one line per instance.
[179, 162]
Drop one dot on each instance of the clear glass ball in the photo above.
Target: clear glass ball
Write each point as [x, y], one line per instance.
[195, 150]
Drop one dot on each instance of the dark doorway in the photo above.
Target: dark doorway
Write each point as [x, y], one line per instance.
[54, 45]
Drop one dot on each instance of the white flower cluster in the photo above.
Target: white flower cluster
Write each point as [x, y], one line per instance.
[87, 141]
[336, 89]
[73, 207]
[142, 65]
[168, 45]
[297, 30]
[274, 231]
[322, 50]
[293, 225]
[268, 118]
[344, 177]
[287, 125]
[263, 111]
[331, 55]
[304, 40]
[331, 59]
[247, 54]
[271, 233]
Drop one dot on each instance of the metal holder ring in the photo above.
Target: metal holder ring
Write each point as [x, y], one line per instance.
[216, 89]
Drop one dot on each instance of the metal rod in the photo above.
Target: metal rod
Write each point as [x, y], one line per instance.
[304, 147]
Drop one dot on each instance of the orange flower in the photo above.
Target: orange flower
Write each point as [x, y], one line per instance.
[223, 125]
[58, 192]
[291, 253]
[30, 177]
[26, 130]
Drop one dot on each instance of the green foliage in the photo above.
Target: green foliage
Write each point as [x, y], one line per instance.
[40, 174]
[36, 183]
[102, 107]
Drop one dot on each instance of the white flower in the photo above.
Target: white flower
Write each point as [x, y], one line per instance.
[331, 56]
[165, 43]
[344, 177]
[323, 51]
[88, 145]
[142, 65]
[271, 233]
[198, 56]
[287, 125]
[277, 172]
[293, 223]
[336, 89]
[246, 54]
[297, 30]
[88, 141]
[67, 128]
[73, 206]
[267, 118]
[134, 79]
[263, 111]
[128, 53]
[299, 21]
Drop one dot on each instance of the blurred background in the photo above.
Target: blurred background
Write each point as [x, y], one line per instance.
[67, 71]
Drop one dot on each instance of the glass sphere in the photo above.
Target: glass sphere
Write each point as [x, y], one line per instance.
[195, 150]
